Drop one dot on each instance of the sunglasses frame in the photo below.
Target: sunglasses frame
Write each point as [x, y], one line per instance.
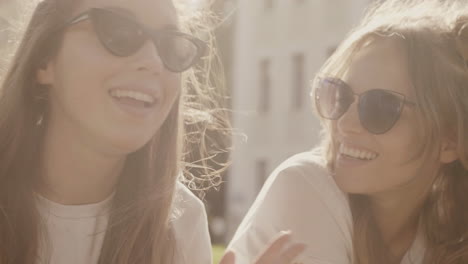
[400, 96]
[150, 34]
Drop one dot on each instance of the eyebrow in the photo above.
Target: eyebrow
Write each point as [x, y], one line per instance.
[171, 27]
[129, 13]
[121, 10]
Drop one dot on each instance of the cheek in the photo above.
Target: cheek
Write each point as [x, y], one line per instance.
[172, 86]
[82, 67]
[401, 157]
[85, 60]
[404, 141]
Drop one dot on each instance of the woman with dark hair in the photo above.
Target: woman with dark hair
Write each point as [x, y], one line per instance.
[92, 109]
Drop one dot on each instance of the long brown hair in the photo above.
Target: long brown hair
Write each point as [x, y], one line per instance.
[434, 36]
[139, 229]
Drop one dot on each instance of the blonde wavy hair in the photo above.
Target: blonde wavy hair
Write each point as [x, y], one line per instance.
[434, 35]
[139, 229]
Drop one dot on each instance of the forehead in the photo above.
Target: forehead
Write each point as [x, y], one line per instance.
[380, 64]
[154, 13]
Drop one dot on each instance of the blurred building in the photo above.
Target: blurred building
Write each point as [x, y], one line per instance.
[9, 14]
[8, 11]
[216, 198]
[278, 46]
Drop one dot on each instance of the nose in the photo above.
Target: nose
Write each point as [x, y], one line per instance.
[349, 122]
[147, 59]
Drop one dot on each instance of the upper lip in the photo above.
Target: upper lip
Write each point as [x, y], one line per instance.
[150, 90]
[356, 146]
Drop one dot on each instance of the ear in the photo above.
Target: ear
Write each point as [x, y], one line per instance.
[461, 32]
[448, 152]
[46, 73]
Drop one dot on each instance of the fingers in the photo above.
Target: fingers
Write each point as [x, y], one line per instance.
[291, 253]
[228, 258]
[274, 248]
[278, 252]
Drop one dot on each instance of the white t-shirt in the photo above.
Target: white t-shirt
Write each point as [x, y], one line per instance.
[76, 233]
[301, 196]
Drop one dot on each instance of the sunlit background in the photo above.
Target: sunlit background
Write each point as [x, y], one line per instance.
[271, 49]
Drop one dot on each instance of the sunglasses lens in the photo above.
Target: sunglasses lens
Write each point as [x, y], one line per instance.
[379, 110]
[121, 36]
[177, 51]
[333, 98]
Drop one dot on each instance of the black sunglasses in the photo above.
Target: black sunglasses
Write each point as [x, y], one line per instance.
[123, 36]
[378, 109]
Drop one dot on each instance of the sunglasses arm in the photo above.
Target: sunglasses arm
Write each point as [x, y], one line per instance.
[78, 19]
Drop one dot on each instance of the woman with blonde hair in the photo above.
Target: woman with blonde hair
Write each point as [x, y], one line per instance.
[92, 110]
[390, 181]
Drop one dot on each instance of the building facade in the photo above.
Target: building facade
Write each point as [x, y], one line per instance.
[8, 12]
[278, 47]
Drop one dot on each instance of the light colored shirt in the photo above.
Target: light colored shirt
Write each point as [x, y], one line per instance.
[301, 196]
[75, 233]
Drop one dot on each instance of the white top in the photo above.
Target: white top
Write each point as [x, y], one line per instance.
[301, 196]
[76, 233]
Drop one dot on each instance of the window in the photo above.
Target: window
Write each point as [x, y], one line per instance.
[5, 32]
[261, 171]
[265, 83]
[298, 81]
[268, 4]
[331, 50]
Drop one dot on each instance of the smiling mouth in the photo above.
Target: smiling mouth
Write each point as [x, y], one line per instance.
[356, 153]
[133, 98]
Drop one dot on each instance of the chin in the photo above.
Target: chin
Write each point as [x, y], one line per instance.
[128, 144]
[129, 147]
[362, 186]
[352, 185]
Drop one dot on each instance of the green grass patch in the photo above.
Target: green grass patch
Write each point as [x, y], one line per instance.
[218, 251]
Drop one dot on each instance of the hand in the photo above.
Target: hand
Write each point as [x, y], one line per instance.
[276, 252]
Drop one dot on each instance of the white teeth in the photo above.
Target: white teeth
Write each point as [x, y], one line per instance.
[133, 94]
[357, 153]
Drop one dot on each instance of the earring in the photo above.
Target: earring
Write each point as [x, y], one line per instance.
[40, 101]
[40, 120]
[461, 39]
